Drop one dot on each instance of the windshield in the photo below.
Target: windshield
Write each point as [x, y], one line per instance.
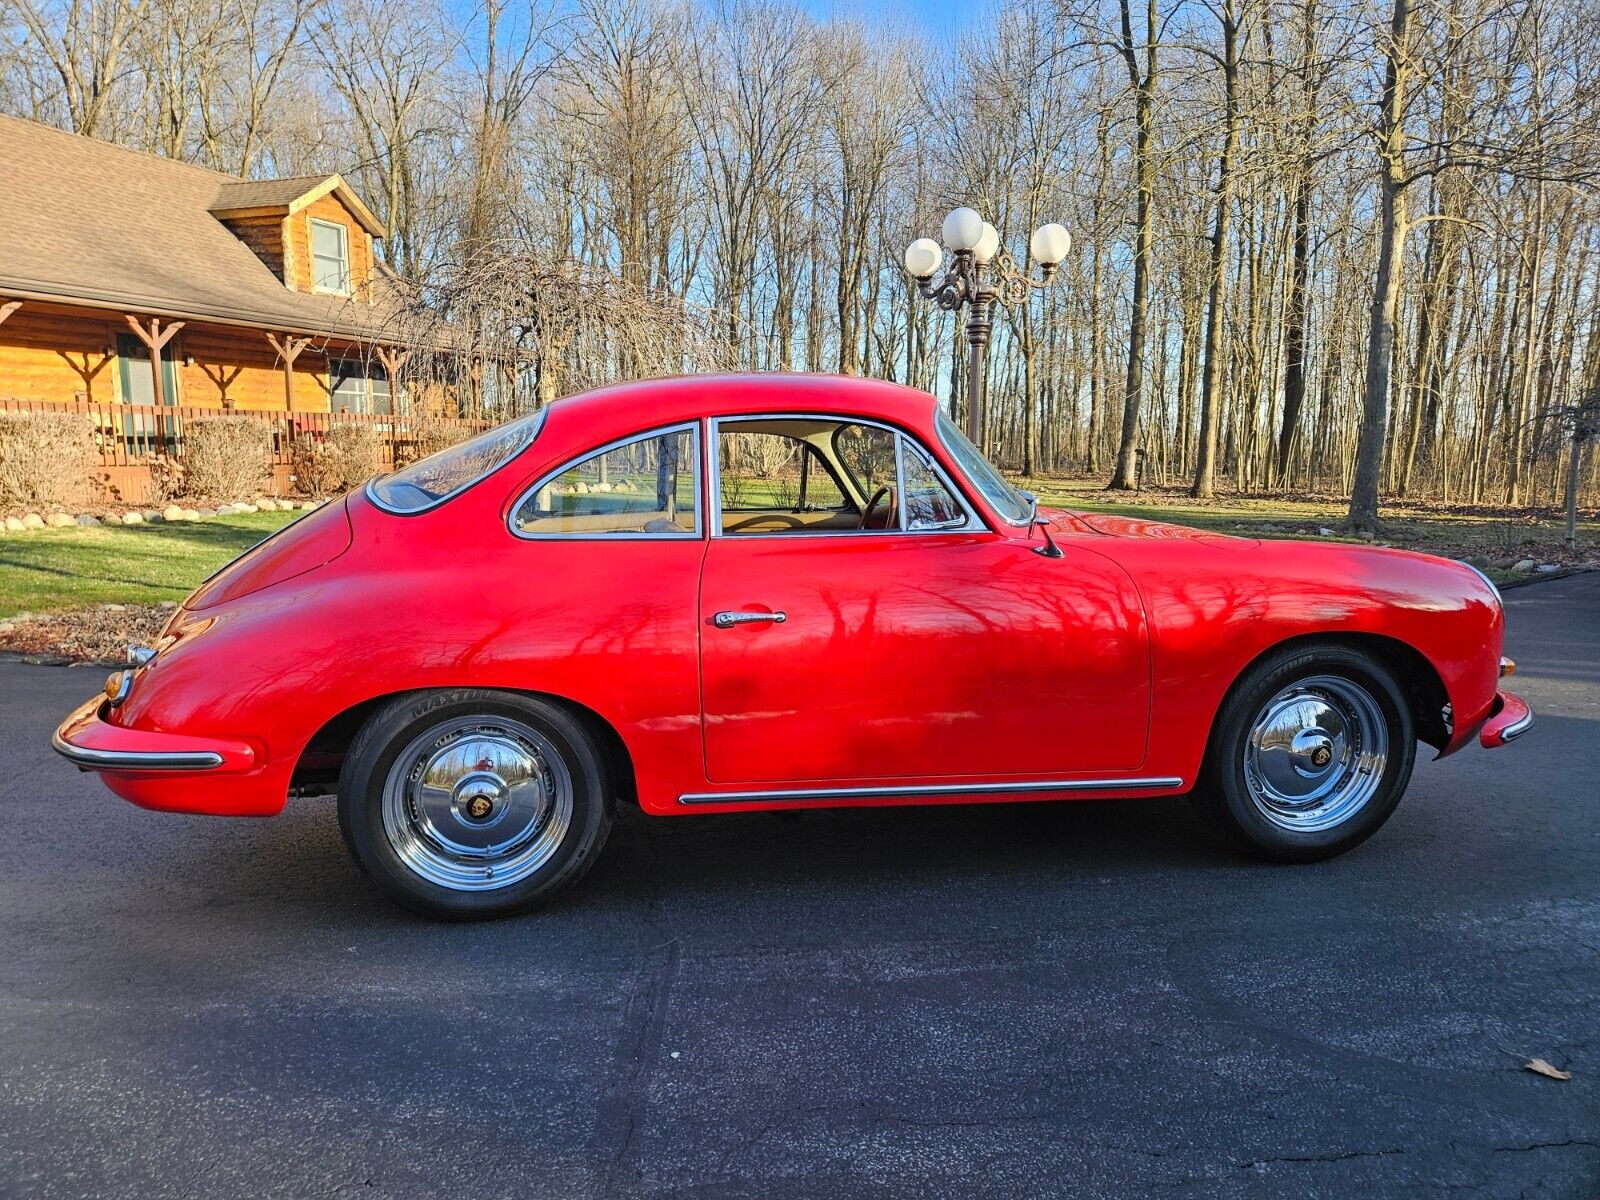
[433, 480]
[1002, 497]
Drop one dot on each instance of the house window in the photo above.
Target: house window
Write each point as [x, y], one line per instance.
[330, 257]
[359, 387]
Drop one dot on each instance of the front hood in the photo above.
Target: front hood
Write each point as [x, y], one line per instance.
[1110, 525]
[303, 545]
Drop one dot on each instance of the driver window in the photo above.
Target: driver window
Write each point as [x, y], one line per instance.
[646, 487]
[773, 470]
[791, 475]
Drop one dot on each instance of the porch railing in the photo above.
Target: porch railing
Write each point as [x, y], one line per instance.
[132, 435]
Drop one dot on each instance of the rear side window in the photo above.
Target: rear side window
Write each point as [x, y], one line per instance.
[433, 480]
[648, 486]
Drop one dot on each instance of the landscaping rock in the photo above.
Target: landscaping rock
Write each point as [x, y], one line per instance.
[86, 519]
[1547, 568]
[150, 514]
[33, 521]
[15, 525]
[245, 508]
[206, 512]
[1481, 561]
[59, 521]
[1326, 532]
[172, 513]
[132, 518]
[191, 514]
[1524, 564]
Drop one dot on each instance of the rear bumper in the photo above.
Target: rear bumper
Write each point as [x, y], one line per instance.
[172, 772]
[91, 743]
[1509, 718]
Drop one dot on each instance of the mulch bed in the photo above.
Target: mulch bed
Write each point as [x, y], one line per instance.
[91, 635]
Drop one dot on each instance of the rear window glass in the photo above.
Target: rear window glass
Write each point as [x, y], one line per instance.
[433, 480]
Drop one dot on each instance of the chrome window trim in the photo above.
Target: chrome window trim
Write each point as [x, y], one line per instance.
[929, 789]
[1021, 523]
[691, 427]
[135, 760]
[534, 430]
[973, 524]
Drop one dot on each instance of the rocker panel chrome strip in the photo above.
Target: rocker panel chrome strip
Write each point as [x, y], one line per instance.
[948, 789]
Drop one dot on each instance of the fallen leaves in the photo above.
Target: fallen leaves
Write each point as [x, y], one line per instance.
[95, 635]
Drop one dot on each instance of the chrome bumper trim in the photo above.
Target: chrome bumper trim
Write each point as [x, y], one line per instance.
[1515, 730]
[949, 789]
[135, 760]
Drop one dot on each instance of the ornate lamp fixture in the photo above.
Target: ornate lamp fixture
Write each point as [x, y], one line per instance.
[980, 274]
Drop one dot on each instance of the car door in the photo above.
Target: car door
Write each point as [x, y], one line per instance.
[926, 650]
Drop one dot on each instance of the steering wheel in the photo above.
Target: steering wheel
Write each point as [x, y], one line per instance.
[866, 513]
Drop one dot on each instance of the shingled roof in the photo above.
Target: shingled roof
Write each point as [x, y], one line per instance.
[86, 222]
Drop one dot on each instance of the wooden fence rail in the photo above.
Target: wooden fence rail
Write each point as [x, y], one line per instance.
[129, 439]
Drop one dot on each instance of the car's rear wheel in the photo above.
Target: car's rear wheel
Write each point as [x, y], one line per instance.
[1309, 756]
[470, 803]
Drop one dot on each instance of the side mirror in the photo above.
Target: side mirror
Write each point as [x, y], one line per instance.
[1035, 521]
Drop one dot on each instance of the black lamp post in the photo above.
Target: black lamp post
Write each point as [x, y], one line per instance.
[981, 273]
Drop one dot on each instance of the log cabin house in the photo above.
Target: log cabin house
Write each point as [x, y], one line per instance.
[261, 296]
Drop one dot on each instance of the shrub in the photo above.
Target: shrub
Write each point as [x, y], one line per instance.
[44, 457]
[166, 478]
[337, 461]
[226, 457]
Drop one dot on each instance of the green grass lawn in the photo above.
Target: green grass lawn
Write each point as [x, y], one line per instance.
[50, 570]
[55, 570]
[1456, 531]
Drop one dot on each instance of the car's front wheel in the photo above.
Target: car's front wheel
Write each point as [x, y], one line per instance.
[1310, 754]
[470, 803]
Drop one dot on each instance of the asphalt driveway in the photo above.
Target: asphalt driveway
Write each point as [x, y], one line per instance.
[1036, 1000]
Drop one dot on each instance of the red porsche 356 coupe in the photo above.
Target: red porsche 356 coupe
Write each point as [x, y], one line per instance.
[707, 595]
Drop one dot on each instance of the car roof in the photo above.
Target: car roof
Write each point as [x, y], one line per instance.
[627, 408]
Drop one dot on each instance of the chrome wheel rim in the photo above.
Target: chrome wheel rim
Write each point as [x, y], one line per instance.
[1316, 753]
[477, 803]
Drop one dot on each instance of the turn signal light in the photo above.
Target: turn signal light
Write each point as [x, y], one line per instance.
[1508, 666]
[118, 685]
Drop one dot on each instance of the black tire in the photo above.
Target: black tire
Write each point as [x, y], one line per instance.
[564, 750]
[1223, 797]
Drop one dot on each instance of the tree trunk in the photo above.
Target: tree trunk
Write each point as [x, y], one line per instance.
[1363, 517]
[1211, 382]
[1125, 477]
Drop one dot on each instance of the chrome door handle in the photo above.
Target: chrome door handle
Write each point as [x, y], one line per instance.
[727, 620]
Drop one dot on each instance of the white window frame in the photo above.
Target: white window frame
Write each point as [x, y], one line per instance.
[692, 428]
[344, 256]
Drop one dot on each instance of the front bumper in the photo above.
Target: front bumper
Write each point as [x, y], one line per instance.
[92, 743]
[1509, 718]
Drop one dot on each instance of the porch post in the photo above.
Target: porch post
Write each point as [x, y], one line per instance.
[288, 349]
[155, 339]
[392, 360]
[7, 308]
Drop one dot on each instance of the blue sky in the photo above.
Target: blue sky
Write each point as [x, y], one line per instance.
[939, 17]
